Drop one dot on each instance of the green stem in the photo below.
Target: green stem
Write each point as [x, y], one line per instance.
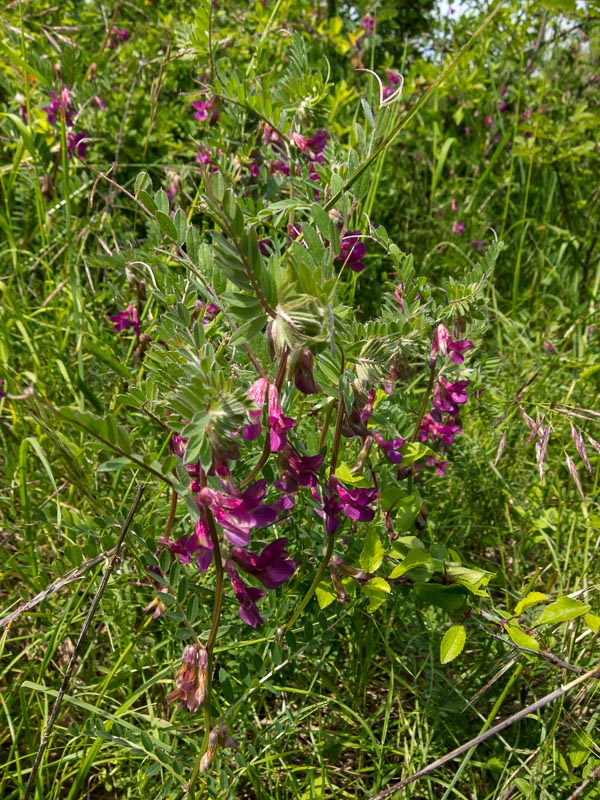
[424, 404]
[210, 644]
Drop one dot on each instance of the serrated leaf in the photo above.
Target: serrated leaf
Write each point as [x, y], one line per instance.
[520, 638]
[452, 643]
[532, 599]
[562, 610]
[325, 594]
[414, 558]
[372, 552]
[377, 590]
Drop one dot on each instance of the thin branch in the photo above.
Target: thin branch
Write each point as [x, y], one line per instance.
[477, 740]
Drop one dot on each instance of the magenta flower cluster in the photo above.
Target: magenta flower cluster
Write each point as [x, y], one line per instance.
[441, 424]
[61, 108]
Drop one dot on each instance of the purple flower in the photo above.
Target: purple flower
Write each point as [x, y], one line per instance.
[116, 36]
[206, 110]
[458, 228]
[2, 393]
[313, 147]
[352, 251]
[478, 245]
[355, 503]
[279, 423]
[258, 393]
[454, 205]
[352, 503]
[100, 102]
[444, 343]
[391, 448]
[302, 367]
[60, 106]
[488, 121]
[206, 312]
[126, 319]
[272, 567]
[297, 470]
[77, 144]
[246, 597]
[368, 23]
[237, 513]
[447, 397]
[433, 429]
[197, 545]
[502, 106]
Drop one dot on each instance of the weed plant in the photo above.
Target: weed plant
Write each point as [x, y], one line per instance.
[280, 246]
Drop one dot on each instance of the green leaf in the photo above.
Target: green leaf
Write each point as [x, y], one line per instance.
[532, 599]
[562, 610]
[345, 474]
[325, 594]
[372, 552]
[520, 638]
[322, 220]
[192, 243]
[593, 622]
[142, 183]
[414, 558]
[180, 223]
[166, 224]
[377, 590]
[114, 464]
[453, 643]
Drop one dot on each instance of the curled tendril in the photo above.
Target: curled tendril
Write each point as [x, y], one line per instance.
[395, 95]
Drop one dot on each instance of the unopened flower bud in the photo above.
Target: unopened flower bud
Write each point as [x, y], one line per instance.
[211, 752]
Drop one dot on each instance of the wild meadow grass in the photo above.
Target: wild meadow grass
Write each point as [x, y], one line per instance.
[349, 685]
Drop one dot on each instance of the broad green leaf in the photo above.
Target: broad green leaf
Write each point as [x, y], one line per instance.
[372, 552]
[532, 599]
[593, 622]
[325, 594]
[344, 473]
[472, 579]
[453, 643]
[414, 451]
[562, 610]
[377, 590]
[520, 638]
[414, 558]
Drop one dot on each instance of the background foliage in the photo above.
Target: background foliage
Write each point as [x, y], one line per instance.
[356, 697]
